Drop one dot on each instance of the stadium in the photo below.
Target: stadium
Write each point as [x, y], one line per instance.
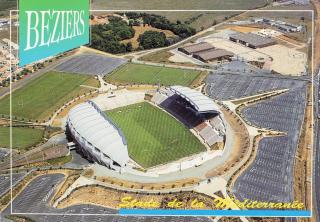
[168, 125]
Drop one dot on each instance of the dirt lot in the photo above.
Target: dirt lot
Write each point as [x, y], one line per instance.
[244, 28]
[102, 196]
[303, 173]
[283, 55]
[149, 186]
[273, 56]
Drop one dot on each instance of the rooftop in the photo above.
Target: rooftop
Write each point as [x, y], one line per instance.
[253, 39]
[213, 54]
[97, 129]
[200, 102]
[198, 47]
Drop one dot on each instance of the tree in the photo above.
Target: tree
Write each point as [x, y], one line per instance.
[108, 37]
[152, 39]
[129, 47]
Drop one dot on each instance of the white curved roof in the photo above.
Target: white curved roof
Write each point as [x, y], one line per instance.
[95, 127]
[200, 102]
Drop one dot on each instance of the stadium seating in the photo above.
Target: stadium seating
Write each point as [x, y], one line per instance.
[210, 128]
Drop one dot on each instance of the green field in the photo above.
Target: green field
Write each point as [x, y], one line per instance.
[199, 19]
[152, 75]
[41, 97]
[153, 136]
[22, 137]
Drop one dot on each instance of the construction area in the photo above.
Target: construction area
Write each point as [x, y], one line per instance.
[265, 49]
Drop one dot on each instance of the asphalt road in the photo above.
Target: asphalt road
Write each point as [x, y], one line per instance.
[317, 151]
[317, 170]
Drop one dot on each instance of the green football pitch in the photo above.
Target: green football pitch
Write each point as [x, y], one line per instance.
[22, 137]
[41, 97]
[152, 75]
[153, 136]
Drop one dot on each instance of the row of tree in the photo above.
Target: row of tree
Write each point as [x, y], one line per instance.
[182, 30]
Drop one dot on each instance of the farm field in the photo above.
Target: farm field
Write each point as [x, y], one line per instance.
[196, 19]
[152, 75]
[22, 137]
[41, 97]
[5, 5]
[153, 136]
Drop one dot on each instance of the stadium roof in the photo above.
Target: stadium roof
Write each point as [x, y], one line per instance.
[96, 128]
[213, 54]
[200, 102]
[253, 39]
[197, 47]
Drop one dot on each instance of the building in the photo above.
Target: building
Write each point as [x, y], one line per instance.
[4, 22]
[281, 25]
[9, 43]
[195, 48]
[213, 54]
[289, 27]
[97, 137]
[199, 102]
[205, 52]
[251, 40]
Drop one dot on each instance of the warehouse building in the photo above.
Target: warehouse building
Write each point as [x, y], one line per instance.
[213, 54]
[195, 48]
[251, 40]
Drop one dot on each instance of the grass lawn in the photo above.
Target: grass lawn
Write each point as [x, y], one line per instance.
[41, 97]
[153, 136]
[22, 137]
[151, 75]
[199, 19]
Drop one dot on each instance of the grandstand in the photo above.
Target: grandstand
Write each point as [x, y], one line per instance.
[97, 137]
[195, 110]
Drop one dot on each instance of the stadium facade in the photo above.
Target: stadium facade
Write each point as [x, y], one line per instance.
[97, 137]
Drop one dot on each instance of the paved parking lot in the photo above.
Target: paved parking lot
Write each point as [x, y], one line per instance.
[91, 64]
[5, 181]
[234, 86]
[270, 177]
[34, 199]
[3, 153]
